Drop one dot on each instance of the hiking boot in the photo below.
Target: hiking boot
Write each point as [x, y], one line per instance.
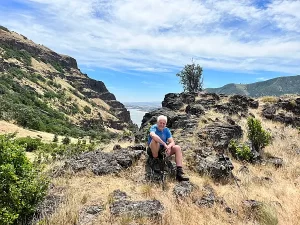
[180, 175]
[155, 165]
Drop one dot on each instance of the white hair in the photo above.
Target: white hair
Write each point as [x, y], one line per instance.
[162, 117]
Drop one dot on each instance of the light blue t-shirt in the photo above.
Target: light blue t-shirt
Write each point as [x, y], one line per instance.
[165, 134]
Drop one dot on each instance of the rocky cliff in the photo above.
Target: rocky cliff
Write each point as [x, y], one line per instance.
[55, 80]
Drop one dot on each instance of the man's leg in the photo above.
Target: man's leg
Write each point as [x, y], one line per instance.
[178, 154]
[154, 146]
[178, 159]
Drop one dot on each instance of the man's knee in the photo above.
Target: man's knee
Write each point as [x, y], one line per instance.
[176, 148]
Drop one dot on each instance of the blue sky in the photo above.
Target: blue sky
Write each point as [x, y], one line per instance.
[136, 47]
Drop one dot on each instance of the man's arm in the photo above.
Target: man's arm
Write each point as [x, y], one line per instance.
[156, 138]
[171, 142]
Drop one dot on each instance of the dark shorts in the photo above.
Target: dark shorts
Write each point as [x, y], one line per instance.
[160, 152]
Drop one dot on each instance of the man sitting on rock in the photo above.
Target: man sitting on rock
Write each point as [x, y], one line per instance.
[160, 139]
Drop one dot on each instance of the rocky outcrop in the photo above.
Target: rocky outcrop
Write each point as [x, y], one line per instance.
[121, 206]
[217, 167]
[101, 163]
[275, 112]
[89, 213]
[220, 134]
[39, 52]
[208, 198]
[183, 189]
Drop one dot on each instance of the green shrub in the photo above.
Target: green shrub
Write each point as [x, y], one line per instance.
[257, 135]
[29, 143]
[87, 109]
[55, 138]
[241, 152]
[66, 140]
[57, 66]
[50, 94]
[22, 186]
[12, 52]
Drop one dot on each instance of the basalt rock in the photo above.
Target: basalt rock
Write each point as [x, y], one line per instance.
[188, 97]
[195, 109]
[172, 101]
[208, 198]
[48, 206]
[89, 213]
[269, 112]
[219, 168]
[220, 134]
[290, 105]
[183, 189]
[136, 209]
[102, 163]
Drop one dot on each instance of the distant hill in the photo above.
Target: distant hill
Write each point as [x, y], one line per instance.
[46, 91]
[273, 87]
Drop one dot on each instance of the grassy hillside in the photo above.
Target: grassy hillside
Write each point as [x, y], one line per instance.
[45, 91]
[273, 87]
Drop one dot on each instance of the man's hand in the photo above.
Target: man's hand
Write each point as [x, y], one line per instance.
[168, 150]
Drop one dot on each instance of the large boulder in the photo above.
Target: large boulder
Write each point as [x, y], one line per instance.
[121, 206]
[220, 134]
[195, 109]
[183, 189]
[215, 166]
[172, 101]
[101, 163]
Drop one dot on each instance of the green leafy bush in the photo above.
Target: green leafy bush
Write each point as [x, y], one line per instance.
[12, 52]
[241, 152]
[55, 139]
[257, 135]
[87, 109]
[22, 186]
[66, 140]
[29, 143]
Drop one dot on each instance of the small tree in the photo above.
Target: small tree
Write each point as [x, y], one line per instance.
[257, 135]
[66, 140]
[190, 77]
[55, 139]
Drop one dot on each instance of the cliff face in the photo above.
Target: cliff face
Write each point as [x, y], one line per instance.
[56, 81]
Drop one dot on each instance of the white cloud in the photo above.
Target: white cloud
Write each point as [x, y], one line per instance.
[160, 35]
[261, 79]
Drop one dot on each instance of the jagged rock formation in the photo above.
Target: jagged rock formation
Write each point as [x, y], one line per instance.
[121, 206]
[101, 163]
[184, 112]
[284, 111]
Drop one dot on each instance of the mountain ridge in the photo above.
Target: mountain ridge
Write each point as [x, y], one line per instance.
[272, 87]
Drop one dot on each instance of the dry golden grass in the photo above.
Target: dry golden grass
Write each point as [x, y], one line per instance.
[280, 194]
[6, 127]
[41, 67]
[269, 99]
